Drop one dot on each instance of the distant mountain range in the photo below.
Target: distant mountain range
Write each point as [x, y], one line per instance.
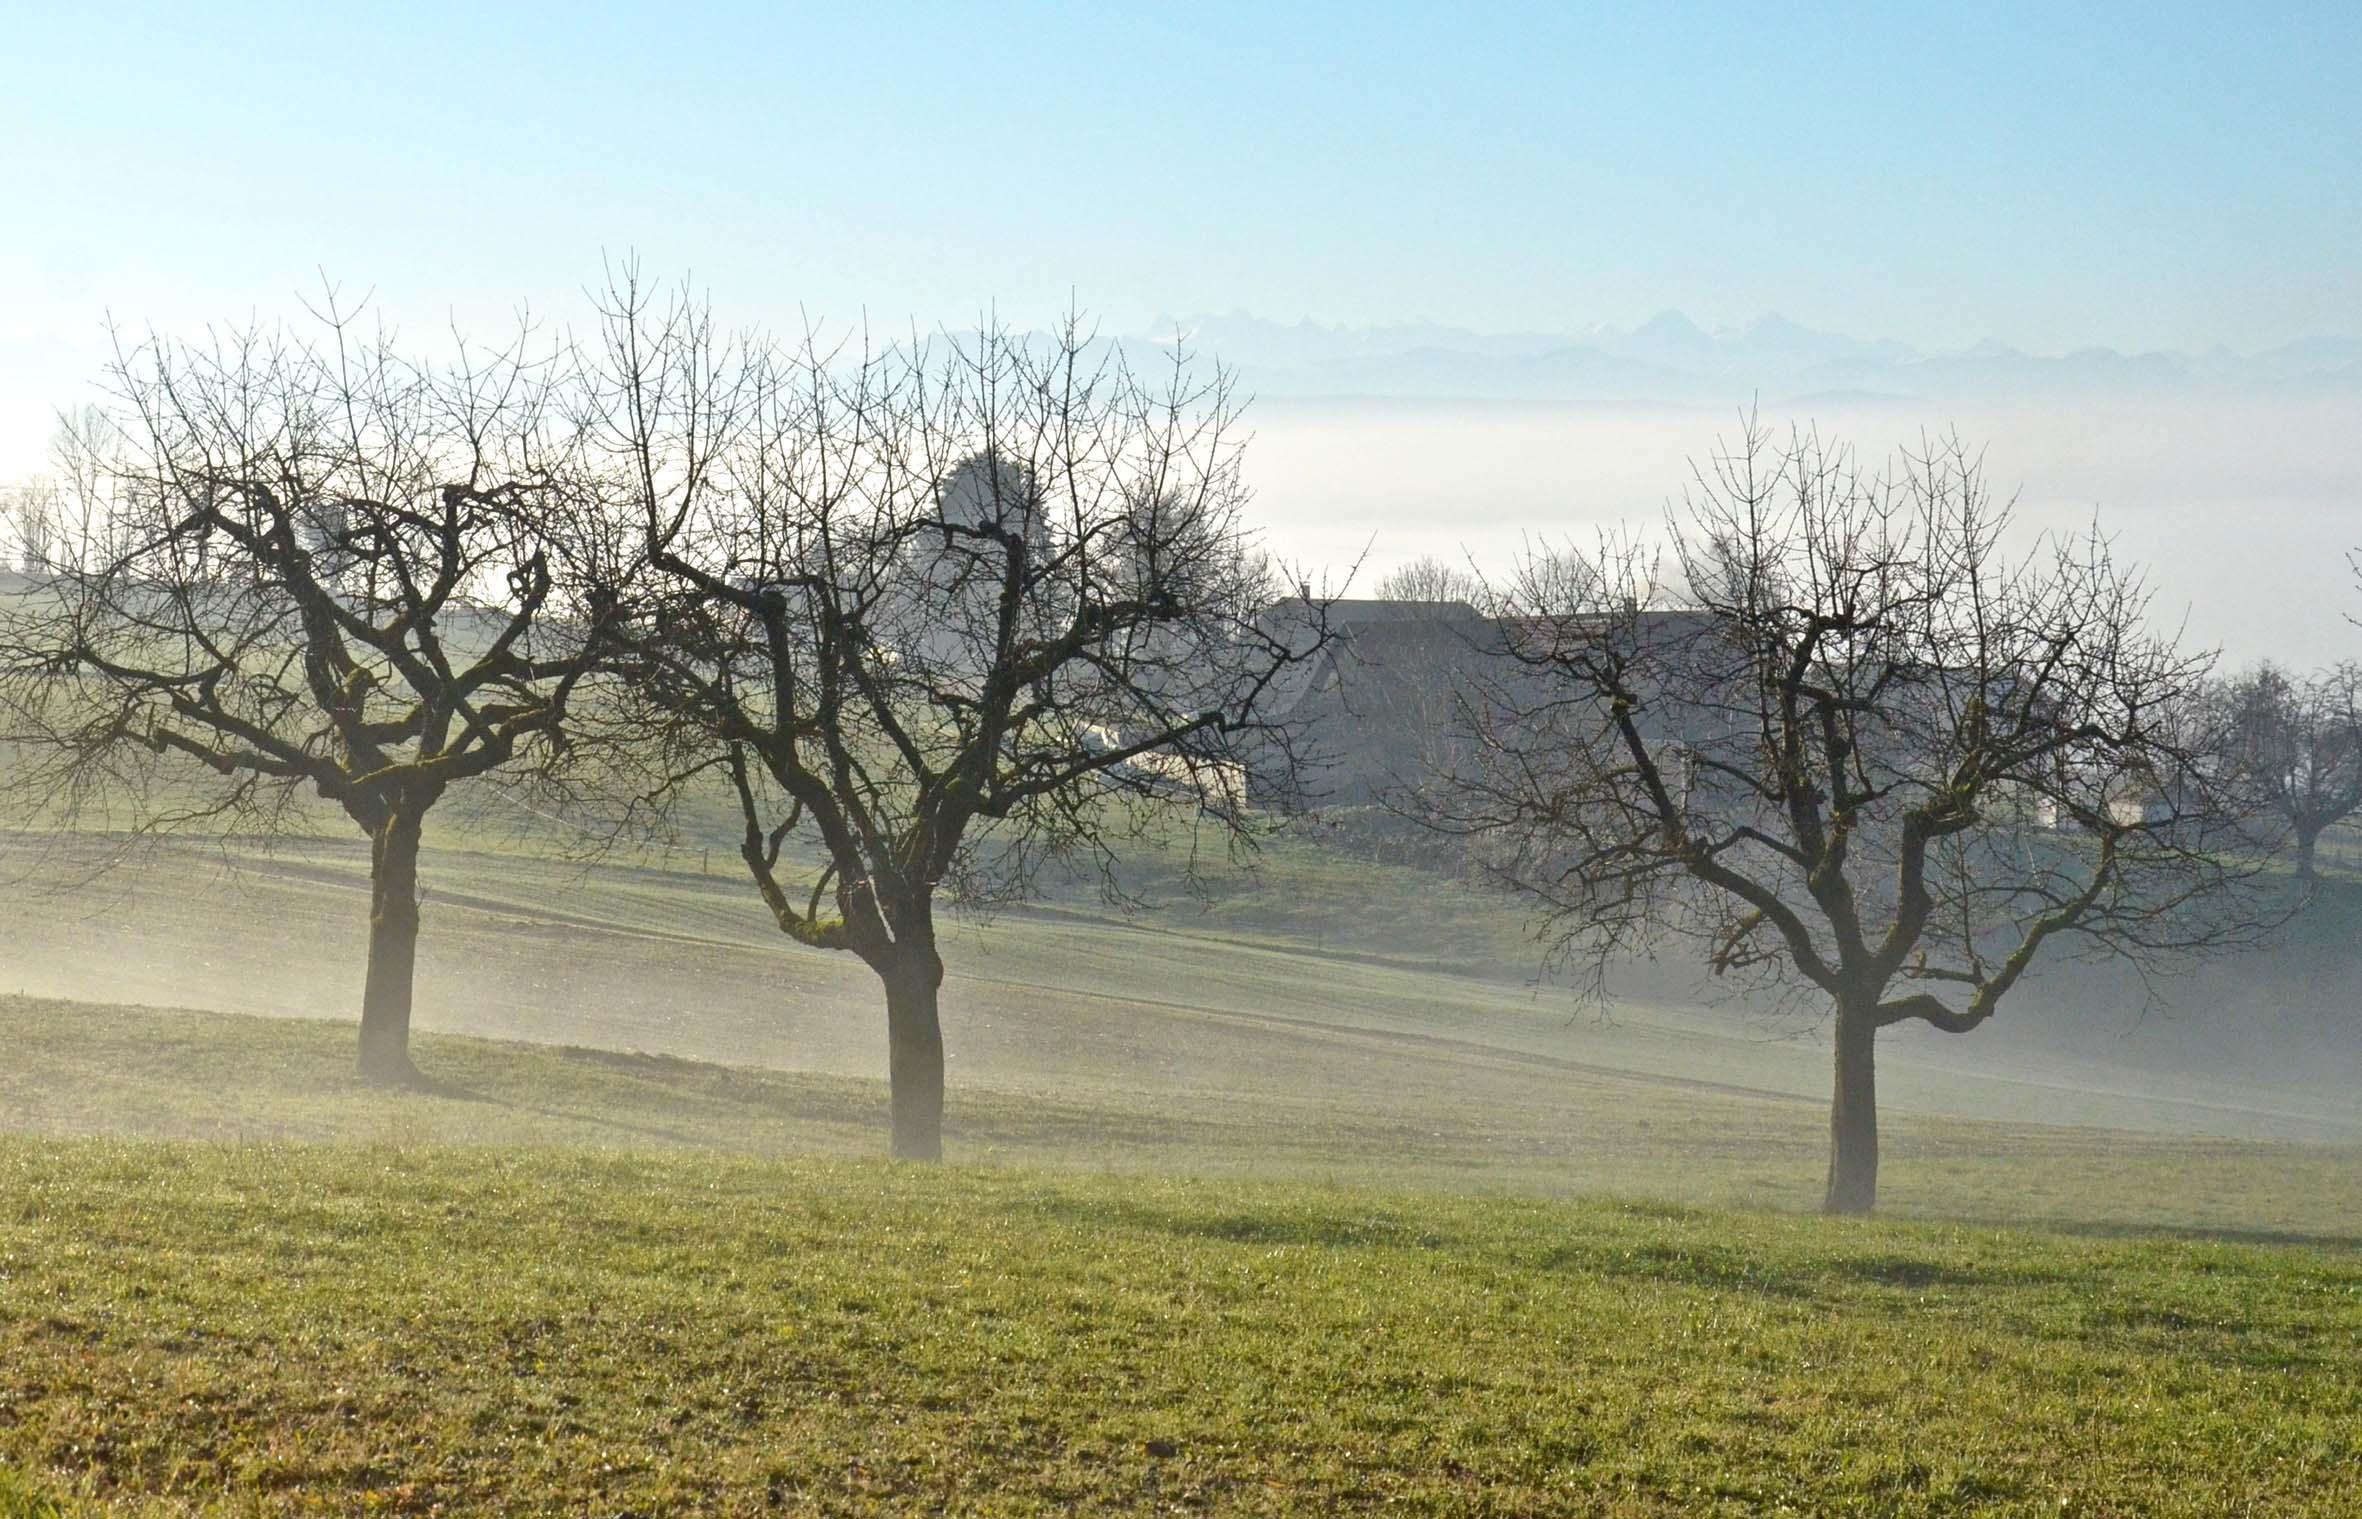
[1671, 360]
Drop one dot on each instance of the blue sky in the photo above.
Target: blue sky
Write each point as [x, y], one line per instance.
[2135, 176]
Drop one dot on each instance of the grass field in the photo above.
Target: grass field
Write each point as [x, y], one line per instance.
[577, 1282]
[1300, 1200]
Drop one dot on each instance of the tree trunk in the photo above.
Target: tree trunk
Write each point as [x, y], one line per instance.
[1853, 1117]
[2306, 839]
[914, 1052]
[393, 951]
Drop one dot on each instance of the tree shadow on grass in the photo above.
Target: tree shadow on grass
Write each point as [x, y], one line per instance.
[423, 1084]
[1376, 1229]
[1725, 1268]
[719, 1095]
[2131, 1232]
[1710, 1267]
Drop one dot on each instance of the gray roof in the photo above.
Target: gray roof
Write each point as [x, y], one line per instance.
[1347, 613]
[1372, 609]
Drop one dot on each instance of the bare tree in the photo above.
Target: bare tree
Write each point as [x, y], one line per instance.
[296, 567]
[2298, 741]
[1429, 579]
[31, 511]
[34, 509]
[1840, 742]
[936, 619]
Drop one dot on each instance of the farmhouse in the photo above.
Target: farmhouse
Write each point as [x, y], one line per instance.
[1375, 708]
[1404, 683]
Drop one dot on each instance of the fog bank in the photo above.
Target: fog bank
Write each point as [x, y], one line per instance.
[2244, 509]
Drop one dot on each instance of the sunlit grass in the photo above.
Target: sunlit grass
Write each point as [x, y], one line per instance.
[418, 1329]
[575, 1281]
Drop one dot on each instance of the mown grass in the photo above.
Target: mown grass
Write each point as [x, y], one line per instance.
[578, 1282]
[354, 1328]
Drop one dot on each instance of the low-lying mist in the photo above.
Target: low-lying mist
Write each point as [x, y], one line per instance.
[2244, 508]
[1329, 985]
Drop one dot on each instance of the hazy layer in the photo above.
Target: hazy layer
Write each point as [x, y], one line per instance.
[1059, 1001]
[2245, 509]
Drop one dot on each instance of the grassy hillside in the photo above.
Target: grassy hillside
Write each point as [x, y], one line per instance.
[1301, 1200]
[576, 1282]
[83, 1070]
[1379, 1012]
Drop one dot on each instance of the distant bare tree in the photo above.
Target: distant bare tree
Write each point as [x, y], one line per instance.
[1428, 578]
[937, 618]
[2298, 740]
[31, 512]
[299, 567]
[1842, 743]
